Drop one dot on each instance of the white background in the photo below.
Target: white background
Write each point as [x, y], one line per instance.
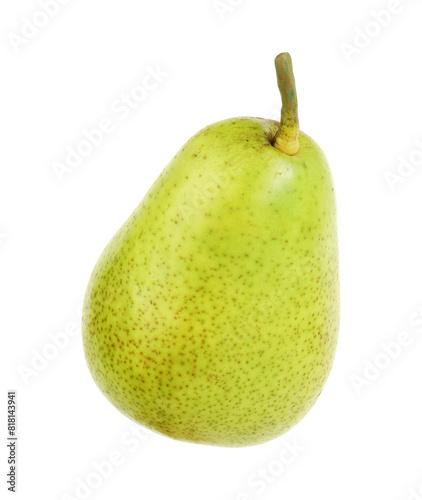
[362, 105]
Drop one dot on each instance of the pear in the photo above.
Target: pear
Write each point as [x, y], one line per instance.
[212, 315]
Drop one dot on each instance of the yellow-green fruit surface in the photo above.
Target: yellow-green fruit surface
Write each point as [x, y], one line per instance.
[212, 315]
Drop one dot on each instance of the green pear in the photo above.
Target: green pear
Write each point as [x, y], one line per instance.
[212, 315]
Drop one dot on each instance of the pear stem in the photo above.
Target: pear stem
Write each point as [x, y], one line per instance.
[286, 139]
